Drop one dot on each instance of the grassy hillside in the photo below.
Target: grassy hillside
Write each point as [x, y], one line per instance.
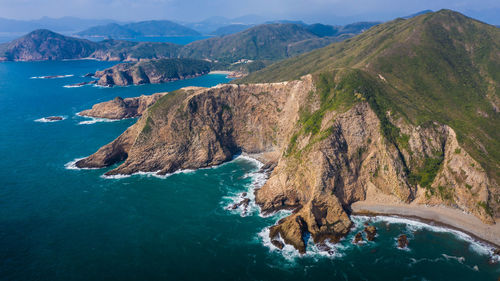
[143, 28]
[439, 66]
[263, 42]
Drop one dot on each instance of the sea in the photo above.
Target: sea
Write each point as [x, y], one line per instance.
[61, 223]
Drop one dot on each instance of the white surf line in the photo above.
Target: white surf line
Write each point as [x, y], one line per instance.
[414, 225]
[71, 165]
[52, 76]
[92, 120]
[157, 173]
[46, 120]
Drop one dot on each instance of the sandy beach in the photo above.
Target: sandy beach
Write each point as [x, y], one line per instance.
[439, 215]
[221, 72]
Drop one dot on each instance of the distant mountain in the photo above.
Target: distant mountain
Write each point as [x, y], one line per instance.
[44, 44]
[418, 14]
[266, 41]
[357, 27]
[323, 30]
[109, 30]
[298, 22]
[209, 25]
[65, 24]
[230, 29]
[137, 29]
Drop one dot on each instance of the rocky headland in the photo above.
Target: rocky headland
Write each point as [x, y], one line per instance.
[318, 176]
[120, 108]
[151, 71]
[359, 121]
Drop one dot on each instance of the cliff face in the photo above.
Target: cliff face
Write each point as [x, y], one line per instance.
[120, 108]
[326, 155]
[152, 71]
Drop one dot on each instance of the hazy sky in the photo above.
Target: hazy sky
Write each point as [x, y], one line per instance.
[330, 11]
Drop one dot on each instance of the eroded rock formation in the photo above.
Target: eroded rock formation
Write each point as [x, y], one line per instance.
[316, 172]
[120, 108]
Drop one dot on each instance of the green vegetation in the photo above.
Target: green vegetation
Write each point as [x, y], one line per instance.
[438, 67]
[427, 172]
[446, 193]
[486, 207]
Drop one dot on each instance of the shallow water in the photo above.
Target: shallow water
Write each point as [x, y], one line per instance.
[63, 224]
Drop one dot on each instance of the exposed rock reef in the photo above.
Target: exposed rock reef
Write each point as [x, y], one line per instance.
[120, 108]
[402, 241]
[152, 71]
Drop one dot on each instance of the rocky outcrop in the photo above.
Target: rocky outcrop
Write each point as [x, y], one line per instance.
[120, 108]
[54, 118]
[370, 231]
[152, 71]
[402, 241]
[319, 167]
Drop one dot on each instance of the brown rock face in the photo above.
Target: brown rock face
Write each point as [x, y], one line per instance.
[119, 108]
[54, 118]
[402, 241]
[358, 238]
[370, 231]
[317, 173]
[152, 71]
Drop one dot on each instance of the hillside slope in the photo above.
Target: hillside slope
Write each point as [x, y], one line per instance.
[263, 42]
[440, 67]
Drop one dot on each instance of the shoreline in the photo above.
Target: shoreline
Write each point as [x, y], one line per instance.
[226, 72]
[435, 215]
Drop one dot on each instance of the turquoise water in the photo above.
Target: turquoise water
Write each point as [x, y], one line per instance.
[60, 224]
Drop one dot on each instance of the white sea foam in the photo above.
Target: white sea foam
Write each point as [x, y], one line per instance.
[46, 120]
[259, 178]
[414, 225]
[72, 165]
[52, 76]
[93, 120]
[147, 174]
[74, 86]
[332, 250]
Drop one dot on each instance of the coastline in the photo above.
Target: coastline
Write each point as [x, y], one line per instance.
[434, 215]
[226, 72]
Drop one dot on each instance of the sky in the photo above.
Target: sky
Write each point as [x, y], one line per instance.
[326, 11]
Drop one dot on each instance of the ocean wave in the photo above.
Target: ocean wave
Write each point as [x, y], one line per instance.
[94, 120]
[259, 178]
[414, 225]
[72, 165]
[147, 174]
[52, 76]
[314, 251]
[46, 120]
[74, 86]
